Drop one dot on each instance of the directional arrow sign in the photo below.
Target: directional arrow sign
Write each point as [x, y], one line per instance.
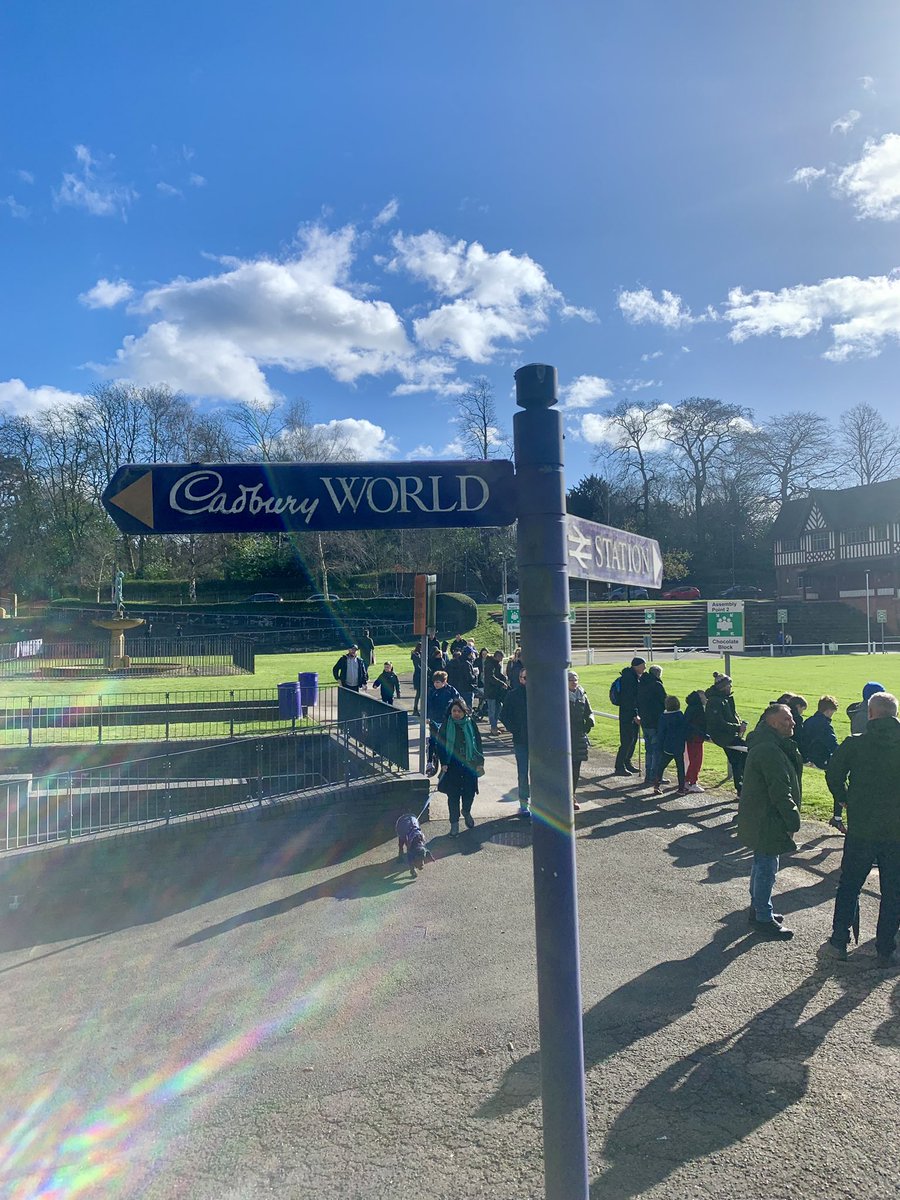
[612, 555]
[277, 497]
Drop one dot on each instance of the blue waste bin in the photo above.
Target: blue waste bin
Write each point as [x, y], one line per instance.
[288, 701]
[308, 687]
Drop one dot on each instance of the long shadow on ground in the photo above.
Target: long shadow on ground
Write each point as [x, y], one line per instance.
[98, 887]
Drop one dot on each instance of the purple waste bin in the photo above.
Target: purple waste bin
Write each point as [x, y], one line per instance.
[308, 686]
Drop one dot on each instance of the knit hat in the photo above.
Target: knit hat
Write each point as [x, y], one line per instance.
[870, 689]
[638, 662]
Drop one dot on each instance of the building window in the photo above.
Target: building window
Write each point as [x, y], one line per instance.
[801, 581]
[881, 533]
[789, 545]
[857, 536]
[819, 539]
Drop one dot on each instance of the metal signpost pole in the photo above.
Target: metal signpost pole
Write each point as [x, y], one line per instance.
[544, 605]
[587, 622]
[868, 619]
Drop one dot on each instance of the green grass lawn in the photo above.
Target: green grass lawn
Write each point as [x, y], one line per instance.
[757, 681]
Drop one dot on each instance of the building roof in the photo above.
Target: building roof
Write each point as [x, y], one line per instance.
[842, 508]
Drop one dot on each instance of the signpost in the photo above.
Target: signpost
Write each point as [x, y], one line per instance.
[310, 497]
[512, 620]
[551, 546]
[782, 616]
[725, 628]
[649, 616]
[611, 555]
[881, 618]
[424, 624]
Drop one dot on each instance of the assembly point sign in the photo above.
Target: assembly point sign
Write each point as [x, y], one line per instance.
[725, 625]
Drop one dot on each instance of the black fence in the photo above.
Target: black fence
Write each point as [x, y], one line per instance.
[154, 716]
[250, 772]
[387, 733]
[216, 655]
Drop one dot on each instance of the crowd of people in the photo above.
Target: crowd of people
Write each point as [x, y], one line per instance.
[461, 685]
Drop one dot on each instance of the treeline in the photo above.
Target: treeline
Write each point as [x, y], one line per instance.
[703, 476]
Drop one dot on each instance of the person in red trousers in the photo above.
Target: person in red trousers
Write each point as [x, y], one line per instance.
[695, 723]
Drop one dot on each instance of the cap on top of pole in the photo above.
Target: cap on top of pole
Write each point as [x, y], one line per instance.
[537, 386]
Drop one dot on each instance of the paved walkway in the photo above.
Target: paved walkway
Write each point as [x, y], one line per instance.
[275, 1009]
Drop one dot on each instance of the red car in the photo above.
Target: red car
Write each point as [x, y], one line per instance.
[682, 593]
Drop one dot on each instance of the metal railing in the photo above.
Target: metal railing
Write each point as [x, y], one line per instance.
[388, 733]
[153, 716]
[182, 785]
[212, 655]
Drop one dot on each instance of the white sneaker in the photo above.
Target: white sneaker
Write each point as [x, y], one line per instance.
[693, 787]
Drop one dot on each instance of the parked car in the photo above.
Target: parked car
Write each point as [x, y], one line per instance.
[265, 598]
[682, 593]
[323, 599]
[741, 592]
[628, 593]
[511, 598]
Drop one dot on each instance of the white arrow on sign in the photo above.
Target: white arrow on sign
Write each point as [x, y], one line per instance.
[579, 546]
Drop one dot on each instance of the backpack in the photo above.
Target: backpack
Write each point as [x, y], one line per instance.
[615, 691]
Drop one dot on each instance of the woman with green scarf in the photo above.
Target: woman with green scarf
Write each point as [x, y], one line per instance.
[462, 762]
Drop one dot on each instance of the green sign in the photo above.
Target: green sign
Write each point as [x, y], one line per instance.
[782, 616]
[649, 616]
[881, 616]
[725, 625]
[512, 619]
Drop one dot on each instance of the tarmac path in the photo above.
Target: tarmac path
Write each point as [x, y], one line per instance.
[275, 1009]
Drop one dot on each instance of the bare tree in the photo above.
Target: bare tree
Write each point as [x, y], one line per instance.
[792, 453]
[870, 447]
[635, 429]
[703, 431]
[479, 431]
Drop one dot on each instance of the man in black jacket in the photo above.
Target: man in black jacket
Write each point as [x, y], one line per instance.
[350, 670]
[629, 721]
[461, 675]
[514, 716]
[864, 774]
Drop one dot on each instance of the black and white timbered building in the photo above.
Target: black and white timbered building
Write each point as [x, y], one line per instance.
[825, 543]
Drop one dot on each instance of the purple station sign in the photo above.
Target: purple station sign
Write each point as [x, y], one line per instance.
[612, 555]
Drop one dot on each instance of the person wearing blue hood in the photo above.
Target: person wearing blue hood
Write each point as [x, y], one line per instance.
[859, 712]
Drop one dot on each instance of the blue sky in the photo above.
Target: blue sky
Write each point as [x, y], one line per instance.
[367, 205]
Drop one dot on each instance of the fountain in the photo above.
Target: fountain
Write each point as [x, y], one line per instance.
[117, 625]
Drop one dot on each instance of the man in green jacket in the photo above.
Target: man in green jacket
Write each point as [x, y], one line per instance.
[864, 774]
[769, 812]
[725, 727]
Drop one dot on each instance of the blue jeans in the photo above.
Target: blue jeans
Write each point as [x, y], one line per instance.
[652, 765]
[521, 753]
[762, 881]
[493, 707]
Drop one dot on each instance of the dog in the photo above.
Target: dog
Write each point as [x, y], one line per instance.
[411, 844]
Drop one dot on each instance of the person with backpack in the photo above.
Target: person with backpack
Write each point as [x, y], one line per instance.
[623, 694]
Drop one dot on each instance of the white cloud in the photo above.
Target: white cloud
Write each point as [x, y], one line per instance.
[599, 430]
[492, 298]
[807, 175]
[867, 83]
[861, 314]
[845, 123]
[387, 214]
[107, 293]
[215, 334]
[649, 357]
[90, 186]
[16, 397]
[641, 307]
[25, 176]
[873, 181]
[639, 385]
[15, 209]
[196, 180]
[568, 311]
[425, 451]
[166, 189]
[584, 392]
[365, 440]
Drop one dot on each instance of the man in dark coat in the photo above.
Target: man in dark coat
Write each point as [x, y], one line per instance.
[350, 671]
[725, 727]
[367, 649]
[818, 741]
[629, 721]
[495, 687]
[864, 775]
[461, 675]
[581, 722]
[514, 715]
[769, 812]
